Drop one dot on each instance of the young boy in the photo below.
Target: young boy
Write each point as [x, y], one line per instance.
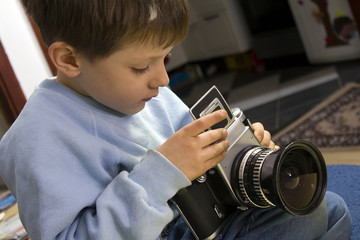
[98, 151]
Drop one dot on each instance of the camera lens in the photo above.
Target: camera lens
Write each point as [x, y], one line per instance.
[301, 179]
[297, 179]
[289, 179]
[293, 178]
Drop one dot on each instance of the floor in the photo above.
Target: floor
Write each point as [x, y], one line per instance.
[279, 95]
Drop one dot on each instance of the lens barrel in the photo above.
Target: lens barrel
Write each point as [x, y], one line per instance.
[293, 178]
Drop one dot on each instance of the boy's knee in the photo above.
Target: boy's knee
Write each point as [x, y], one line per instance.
[339, 219]
[336, 205]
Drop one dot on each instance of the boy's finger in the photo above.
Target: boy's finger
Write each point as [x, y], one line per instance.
[205, 122]
[266, 139]
[258, 131]
[215, 160]
[214, 150]
[211, 136]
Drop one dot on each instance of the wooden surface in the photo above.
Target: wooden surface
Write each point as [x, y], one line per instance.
[342, 157]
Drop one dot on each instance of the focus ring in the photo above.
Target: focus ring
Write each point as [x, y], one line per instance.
[242, 170]
[256, 177]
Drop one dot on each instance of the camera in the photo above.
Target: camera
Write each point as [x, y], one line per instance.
[293, 178]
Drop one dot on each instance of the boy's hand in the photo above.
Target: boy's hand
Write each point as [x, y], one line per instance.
[194, 151]
[263, 136]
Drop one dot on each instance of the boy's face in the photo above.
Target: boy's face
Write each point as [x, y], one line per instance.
[127, 79]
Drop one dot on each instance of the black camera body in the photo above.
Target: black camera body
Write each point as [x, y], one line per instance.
[293, 178]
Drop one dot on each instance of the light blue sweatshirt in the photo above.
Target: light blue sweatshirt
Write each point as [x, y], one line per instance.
[80, 170]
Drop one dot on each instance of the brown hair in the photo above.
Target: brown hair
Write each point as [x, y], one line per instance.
[96, 28]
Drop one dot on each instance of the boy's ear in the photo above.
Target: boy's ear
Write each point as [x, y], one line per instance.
[64, 59]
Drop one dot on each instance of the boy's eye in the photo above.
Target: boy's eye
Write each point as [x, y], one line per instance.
[140, 70]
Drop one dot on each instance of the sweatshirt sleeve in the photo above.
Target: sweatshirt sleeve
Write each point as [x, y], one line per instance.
[71, 184]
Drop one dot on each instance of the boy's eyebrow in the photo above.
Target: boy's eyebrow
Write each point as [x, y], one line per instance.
[157, 57]
[151, 58]
[146, 59]
[140, 60]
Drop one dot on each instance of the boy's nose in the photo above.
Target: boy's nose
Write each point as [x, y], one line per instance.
[161, 79]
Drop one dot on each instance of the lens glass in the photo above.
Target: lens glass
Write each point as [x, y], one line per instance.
[298, 178]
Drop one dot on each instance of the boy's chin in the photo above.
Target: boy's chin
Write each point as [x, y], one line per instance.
[131, 111]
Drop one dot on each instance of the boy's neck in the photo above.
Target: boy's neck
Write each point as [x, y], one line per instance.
[69, 82]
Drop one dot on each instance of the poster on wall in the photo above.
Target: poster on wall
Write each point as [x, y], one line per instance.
[328, 29]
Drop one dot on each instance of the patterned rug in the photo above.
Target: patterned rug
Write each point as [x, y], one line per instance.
[333, 125]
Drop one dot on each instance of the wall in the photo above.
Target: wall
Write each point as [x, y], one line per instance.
[21, 46]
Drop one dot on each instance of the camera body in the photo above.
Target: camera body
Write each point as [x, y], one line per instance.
[209, 201]
[250, 175]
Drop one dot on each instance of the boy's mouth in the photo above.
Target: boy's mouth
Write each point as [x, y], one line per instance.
[148, 99]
